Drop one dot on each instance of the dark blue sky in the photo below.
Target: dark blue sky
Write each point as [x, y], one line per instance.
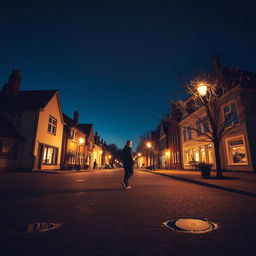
[117, 62]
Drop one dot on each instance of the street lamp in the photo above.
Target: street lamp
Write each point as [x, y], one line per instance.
[149, 146]
[202, 89]
[81, 141]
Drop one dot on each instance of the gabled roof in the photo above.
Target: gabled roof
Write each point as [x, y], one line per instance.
[26, 100]
[7, 131]
[236, 76]
[70, 122]
[86, 128]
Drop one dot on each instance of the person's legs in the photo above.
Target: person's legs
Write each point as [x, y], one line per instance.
[127, 175]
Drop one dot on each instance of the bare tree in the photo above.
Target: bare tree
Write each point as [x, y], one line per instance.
[205, 105]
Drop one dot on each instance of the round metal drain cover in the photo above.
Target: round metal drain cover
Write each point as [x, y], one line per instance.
[37, 227]
[190, 225]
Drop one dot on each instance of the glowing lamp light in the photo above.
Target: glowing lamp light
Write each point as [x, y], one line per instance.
[109, 157]
[202, 89]
[139, 154]
[149, 145]
[167, 153]
[81, 140]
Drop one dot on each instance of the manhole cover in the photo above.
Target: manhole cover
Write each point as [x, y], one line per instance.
[37, 227]
[190, 225]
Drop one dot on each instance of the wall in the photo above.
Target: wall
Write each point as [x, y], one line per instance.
[53, 109]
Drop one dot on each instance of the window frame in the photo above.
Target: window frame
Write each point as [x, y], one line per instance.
[224, 116]
[55, 154]
[230, 162]
[52, 125]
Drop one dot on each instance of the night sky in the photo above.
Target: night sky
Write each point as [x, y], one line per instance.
[119, 63]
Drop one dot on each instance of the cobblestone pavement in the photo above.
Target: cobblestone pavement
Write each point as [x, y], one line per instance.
[100, 218]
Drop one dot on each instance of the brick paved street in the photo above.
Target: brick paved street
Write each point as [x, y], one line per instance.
[99, 218]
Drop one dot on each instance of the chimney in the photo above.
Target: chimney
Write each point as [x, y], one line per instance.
[13, 85]
[76, 116]
[217, 67]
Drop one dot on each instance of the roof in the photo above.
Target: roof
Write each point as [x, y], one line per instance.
[70, 122]
[236, 76]
[86, 128]
[26, 100]
[7, 131]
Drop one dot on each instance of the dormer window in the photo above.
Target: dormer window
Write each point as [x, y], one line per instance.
[73, 134]
[52, 125]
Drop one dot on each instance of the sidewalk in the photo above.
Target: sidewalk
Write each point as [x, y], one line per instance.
[236, 182]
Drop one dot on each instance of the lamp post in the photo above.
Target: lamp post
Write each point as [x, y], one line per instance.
[81, 141]
[149, 146]
[209, 98]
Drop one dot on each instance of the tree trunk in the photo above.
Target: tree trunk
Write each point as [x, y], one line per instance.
[217, 159]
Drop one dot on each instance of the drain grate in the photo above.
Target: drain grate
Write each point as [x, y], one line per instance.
[191, 225]
[37, 227]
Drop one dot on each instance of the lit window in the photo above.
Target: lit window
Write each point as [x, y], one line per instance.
[237, 151]
[230, 114]
[50, 155]
[52, 125]
[73, 134]
[8, 149]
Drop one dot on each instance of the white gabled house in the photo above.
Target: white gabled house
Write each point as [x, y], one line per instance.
[37, 116]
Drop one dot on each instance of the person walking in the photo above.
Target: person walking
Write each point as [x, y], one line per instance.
[127, 159]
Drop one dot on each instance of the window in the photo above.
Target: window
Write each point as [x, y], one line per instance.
[8, 149]
[189, 133]
[52, 125]
[199, 127]
[230, 114]
[237, 151]
[206, 124]
[73, 134]
[16, 119]
[185, 134]
[50, 155]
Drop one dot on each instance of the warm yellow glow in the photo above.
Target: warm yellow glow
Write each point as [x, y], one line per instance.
[202, 89]
[168, 153]
[149, 145]
[109, 157]
[81, 140]
[101, 152]
[139, 154]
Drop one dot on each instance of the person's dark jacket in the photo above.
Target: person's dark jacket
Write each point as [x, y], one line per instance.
[127, 157]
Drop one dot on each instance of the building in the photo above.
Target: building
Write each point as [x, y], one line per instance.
[236, 112]
[163, 147]
[87, 129]
[10, 143]
[36, 116]
[74, 147]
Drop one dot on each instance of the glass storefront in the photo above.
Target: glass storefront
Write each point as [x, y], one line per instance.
[237, 151]
[199, 154]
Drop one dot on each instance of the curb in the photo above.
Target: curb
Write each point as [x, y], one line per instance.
[237, 191]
